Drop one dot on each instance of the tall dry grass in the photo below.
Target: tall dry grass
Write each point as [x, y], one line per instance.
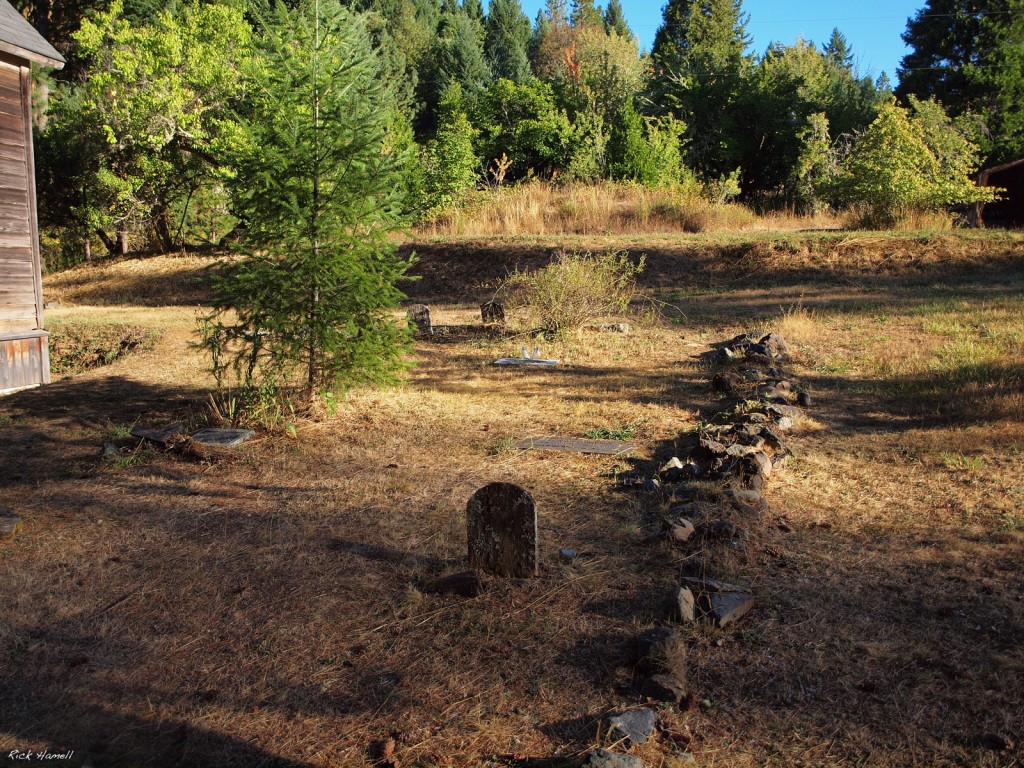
[587, 209]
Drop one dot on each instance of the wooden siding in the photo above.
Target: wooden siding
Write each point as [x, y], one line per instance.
[20, 294]
[24, 362]
[24, 345]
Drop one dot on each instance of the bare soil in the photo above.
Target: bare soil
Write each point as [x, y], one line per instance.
[264, 608]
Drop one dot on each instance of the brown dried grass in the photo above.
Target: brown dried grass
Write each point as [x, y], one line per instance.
[265, 608]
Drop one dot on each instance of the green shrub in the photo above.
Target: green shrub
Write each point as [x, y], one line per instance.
[574, 289]
[451, 165]
[906, 162]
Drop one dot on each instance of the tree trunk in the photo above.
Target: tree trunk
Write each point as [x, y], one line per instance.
[163, 233]
[88, 247]
[111, 245]
[122, 242]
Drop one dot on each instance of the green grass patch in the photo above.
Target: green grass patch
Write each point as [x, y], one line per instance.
[621, 432]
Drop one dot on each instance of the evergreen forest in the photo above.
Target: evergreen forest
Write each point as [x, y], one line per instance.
[143, 139]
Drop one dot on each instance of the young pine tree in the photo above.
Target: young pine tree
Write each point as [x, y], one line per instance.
[318, 190]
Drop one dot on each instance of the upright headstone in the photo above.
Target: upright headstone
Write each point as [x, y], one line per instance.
[501, 530]
[9, 524]
[492, 312]
[420, 316]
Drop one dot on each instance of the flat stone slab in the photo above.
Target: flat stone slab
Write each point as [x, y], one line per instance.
[161, 436]
[577, 445]
[637, 725]
[524, 361]
[501, 531]
[222, 438]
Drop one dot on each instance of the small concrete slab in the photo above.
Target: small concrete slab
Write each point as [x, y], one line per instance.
[525, 361]
[577, 445]
[222, 438]
[637, 725]
[161, 436]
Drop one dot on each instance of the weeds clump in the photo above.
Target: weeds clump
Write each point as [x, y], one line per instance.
[75, 349]
[272, 408]
[573, 290]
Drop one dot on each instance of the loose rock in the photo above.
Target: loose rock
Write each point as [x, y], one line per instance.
[602, 759]
[661, 650]
[664, 688]
[803, 399]
[778, 411]
[465, 584]
[681, 530]
[760, 464]
[636, 725]
[728, 607]
[693, 510]
[671, 471]
[775, 344]
[746, 495]
[684, 606]
[110, 452]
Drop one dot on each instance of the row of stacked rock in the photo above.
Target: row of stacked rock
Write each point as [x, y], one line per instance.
[712, 490]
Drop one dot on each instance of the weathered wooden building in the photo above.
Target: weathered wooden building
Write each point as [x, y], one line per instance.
[24, 346]
[1008, 211]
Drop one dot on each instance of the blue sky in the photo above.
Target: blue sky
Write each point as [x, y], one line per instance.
[872, 27]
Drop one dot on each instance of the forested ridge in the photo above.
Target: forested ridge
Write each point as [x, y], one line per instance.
[141, 137]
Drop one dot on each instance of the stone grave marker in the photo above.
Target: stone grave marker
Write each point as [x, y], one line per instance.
[577, 445]
[420, 316]
[501, 531]
[9, 524]
[161, 436]
[492, 312]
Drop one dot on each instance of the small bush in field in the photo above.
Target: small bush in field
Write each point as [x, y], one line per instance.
[573, 290]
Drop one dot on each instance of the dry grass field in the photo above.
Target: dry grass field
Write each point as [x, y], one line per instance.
[265, 608]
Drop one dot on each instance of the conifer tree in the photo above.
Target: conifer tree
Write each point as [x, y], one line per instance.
[459, 56]
[318, 191]
[585, 14]
[615, 20]
[700, 62]
[507, 40]
[837, 50]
